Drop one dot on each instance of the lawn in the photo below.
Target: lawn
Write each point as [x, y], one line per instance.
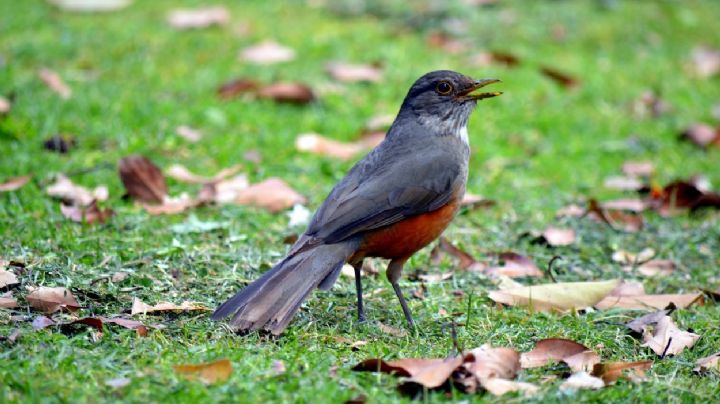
[537, 148]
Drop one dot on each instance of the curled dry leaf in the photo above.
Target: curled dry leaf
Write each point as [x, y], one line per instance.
[708, 363]
[139, 307]
[702, 135]
[705, 61]
[318, 144]
[487, 362]
[138, 326]
[15, 183]
[217, 371]
[86, 214]
[49, 300]
[628, 289]
[63, 188]
[188, 133]
[555, 296]
[293, 93]
[267, 52]
[557, 236]
[342, 71]
[198, 17]
[582, 380]
[143, 180]
[272, 194]
[237, 87]
[515, 266]
[612, 371]
[428, 373]
[55, 83]
[7, 278]
[559, 77]
[667, 339]
[577, 356]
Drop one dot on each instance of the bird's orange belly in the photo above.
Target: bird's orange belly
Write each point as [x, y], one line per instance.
[404, 238]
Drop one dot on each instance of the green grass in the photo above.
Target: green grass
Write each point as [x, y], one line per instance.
[535, 149]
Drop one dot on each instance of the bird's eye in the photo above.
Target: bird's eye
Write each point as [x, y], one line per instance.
[444, 88]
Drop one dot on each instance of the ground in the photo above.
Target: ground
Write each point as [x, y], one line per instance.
[535, 149]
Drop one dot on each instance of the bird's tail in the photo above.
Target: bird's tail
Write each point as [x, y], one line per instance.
[271, 301]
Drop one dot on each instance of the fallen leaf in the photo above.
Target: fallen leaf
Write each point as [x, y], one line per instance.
[293, 93]
[708, 363]
[614, 218]
[577, 356]
[224, 191]
[649, 104]
[7, 301]
[139, 307]
[515, 266]
[15, 183]
[630, 258]
[467, 262]
[471, 201]
[667, 339]
[638, 168]
[198, 17]
[649, 302]
[623, 183]
[628, 289]
[435, 277]
[428, 373]
[237, 87]
[398, 332]
[119, 276]
[118, 383]
[348, 72]
[679, 195]
[267, 52]
[445, 42]
[705, 61]
[172, 206]
[5, 106]
[701, 134]
[188, 133]
[182, 174]
[639, 324]
[49, 300]
[354, 345]
[487, 58]
[656, 267]
[272, 194]
[555, 296]
[41, 322]
[91, 6]
[582, 380]
[320, 145]
[557, 237]
[142, 179]
[217, 371]
[73, 194]
[60, 143]
[628, 204]
[86, 214]
[7, 278]
[55, 83]
[559, 77]
[488, 362]
[92, 322]
[612, 371]
[138, 326]
[499, 387]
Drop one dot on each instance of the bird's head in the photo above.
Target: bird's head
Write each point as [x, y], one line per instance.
[445, 99]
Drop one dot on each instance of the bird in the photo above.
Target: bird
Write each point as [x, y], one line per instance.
[394, 201]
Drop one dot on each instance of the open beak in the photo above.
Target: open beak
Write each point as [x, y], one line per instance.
[471, 94]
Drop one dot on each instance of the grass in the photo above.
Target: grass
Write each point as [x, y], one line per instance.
[535, 149]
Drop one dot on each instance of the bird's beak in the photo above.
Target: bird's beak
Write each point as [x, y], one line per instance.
[470, 92]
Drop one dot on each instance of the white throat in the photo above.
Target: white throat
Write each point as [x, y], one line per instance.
[462, 133]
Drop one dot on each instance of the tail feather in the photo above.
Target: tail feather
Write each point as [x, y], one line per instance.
[271, 301]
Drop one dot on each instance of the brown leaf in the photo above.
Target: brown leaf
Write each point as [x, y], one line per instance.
[498, 387]
[556, 236]
[138, 326]
[60, 143]
[582, 380]
[320, 145]
[577, 356]
[429, 373]
[515, 266]
[630, 258]
[272, 194]
[445, 42]
[615, 218]
[225, 190]
[55, 83]
[182, 174]
[639, 324]
[471, 201]
[559, 77]
[612, 371]
[656, 268]
[705, 61]
[667, 339]
[172, 206]
[701, 135]
[188, 133]
[708, 363]
[237, 87]
[218, 371]
[649, 302]
[467, 262]
[41, 322]
[679, 195]
[86, 214]
[638, 168]
[628, 289]
[7, 278]
[49, 300]
[139, 307]
[561, 296]
[435, 277]
[342, 71]
[73, 194]
[487, 362]
[15, 183]
[7, 301]
[398, 332]
[93, 322]
[267, 52]
[293, 93]
[143, 180]
[623, 183]
[202, 17]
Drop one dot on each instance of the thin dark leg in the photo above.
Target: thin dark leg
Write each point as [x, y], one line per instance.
[393, 273]
[405, 308]
[358, 289]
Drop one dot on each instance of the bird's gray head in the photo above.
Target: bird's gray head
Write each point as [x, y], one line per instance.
[443, 101]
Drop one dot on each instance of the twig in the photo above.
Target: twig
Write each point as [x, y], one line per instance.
[666, 348]
[549, 267]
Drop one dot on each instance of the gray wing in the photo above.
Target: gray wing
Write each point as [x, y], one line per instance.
[383, 189]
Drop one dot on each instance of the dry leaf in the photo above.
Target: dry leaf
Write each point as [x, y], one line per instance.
[650, 105]
[320, 145]
[445, 42]
[435, 277]
[638, 325]
[209, 373]
[41, 322]
[582, 380]
[429, 373]
[515, 266]
[705, 61]
[293, 93]
[610, 372]
[638, 168]
[614, 218]
[49, 300]
[7, 278]
[143, 180]
[15, 183]
[708, 363]
[656, 268]
[398, 332]
[649, 302]
[138, 326]
[139, 307]
[471, 201]
[679, 195]
[173, 206]
[182, 174]
[55, 83]
[499, 387]
[487, 362]
[224, 191]
[198, 17]
[188, 133]
[236, 87]
[667, 338]
[73, 194]
[354, 72]
[701, 135]
[559, 77]
[556, 236]
[86, 214]
[628, 289]
[5, 106]
[272, 194]
[628, 204]
[577, 356]
[7, 301]
[467, 262]
[555, 296]
[630, 258]
[266, 53]
[623, 183]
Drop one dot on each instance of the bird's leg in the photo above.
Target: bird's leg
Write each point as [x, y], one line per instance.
[358, 289]
[394, 270]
